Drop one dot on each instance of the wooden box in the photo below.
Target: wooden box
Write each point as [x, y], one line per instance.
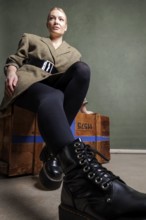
[20, 143]
[94, 129]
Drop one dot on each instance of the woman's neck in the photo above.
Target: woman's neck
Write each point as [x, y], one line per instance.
[56, 41]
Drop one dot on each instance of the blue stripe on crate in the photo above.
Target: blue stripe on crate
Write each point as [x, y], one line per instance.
[102, 138]
[73, 127]
[16, 139]
[38, 139]
[93, 138]
[22, 139]
[89, 138]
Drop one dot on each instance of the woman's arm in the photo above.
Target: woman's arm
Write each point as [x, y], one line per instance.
[13, 63]
[17, 59]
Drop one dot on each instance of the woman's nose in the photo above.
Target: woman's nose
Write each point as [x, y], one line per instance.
[56, 21]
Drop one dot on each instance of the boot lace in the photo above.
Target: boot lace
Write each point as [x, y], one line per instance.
[92, 168]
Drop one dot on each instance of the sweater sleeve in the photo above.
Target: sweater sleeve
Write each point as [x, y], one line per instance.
[21, 54]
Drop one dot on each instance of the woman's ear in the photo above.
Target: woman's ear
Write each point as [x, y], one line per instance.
[66, 28]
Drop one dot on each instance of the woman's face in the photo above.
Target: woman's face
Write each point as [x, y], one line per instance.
[57, 23]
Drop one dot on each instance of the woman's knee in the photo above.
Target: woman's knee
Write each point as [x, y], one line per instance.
[82, 70]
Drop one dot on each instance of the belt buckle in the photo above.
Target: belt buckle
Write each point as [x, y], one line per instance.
[47, 66]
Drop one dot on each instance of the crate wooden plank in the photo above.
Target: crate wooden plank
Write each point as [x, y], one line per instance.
[94, 130]
[19, 151]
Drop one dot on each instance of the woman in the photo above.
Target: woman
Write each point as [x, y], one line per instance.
[46, 76]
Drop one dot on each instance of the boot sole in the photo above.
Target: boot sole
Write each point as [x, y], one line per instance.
[48, 182]
[67, 213]
[133, 218]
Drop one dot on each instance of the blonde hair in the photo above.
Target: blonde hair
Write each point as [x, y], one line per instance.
[59, 9]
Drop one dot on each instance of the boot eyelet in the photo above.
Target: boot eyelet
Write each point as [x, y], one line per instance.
[105, 186]
[98, 180]
[109, 200]
[99, 170]
[89, 159]
[77, 150]
[77, 144]
[91, 175]
[82, 162]
[86, 169]
[91, 154]
[80, 156]
[105, 175]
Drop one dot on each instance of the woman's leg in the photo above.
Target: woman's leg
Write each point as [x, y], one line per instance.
[47, 102]
[74, 84]
[74, 80]
[57, 107]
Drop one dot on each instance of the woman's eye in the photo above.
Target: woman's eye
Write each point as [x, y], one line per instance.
[51, 18]
[61, 19]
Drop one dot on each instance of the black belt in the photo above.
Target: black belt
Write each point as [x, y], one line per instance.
[45, 65]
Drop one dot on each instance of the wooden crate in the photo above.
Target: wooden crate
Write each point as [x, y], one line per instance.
[20, 143]
[94, 129]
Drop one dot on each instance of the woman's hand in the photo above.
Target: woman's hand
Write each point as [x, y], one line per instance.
[11, 80]
[83, 109]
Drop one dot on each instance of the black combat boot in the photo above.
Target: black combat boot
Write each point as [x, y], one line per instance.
[51, 174]
[91, 192]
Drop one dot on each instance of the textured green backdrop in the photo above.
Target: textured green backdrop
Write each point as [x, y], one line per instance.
[111, 35]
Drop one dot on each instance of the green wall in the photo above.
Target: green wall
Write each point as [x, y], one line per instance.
[111, 35]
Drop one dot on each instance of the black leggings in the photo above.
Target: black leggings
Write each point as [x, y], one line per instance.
[56, 103]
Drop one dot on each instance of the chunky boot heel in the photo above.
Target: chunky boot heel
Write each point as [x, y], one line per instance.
[66, 213]
[49, 182]
[51, 174]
